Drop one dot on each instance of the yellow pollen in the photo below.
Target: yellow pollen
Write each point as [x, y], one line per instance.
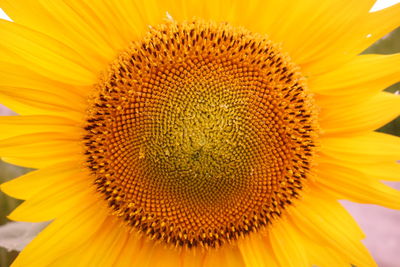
[200, 133]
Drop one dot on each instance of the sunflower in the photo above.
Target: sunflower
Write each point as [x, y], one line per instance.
[197, 133]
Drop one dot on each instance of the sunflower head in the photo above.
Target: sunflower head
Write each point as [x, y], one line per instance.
[200, 133]
[228, 133]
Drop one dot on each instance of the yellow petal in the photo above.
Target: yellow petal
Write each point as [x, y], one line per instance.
[27, 185]
[235, 12]
[192, 258]
[19, 125]
[27, 92]
[350, 41]
[25, 105]
[309, 30]
[148, 253]
[229, 256]
[43, 53]
[37, 16]
[39, 210]
[343, 182]
[368, 148]
[107, 242]
[287, 246]
[322, 255]
[389, 171]
[54, 200]
[40, 150]
[14, 75]
[80, 25]
[21, 78]
[306, 28]
[138, 247]
[257, 251]
[362, 77]
[328, 224]
[377, 25]
[341, 115]
[63, 234]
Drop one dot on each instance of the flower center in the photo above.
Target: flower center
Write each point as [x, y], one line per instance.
[200, 133]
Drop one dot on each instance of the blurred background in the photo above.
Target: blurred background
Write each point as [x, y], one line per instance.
[381, 225]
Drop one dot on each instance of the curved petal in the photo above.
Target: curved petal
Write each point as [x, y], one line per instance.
[41, 52]
[80, 24]
[351, 41]
[256, 251]
[343, 182]
[27, 101]
[64, 234]
[319, 36]
[54, 200]
[229, 256]
[362, 77]
[368, 148]
[386, 171]
[108, 242]
[326, 223]
[341, 115]
[287, 246]
[40, 150]
[19, 125]
[18, 76]
[27, 185]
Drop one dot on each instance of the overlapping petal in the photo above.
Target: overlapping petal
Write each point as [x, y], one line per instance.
[56, 50]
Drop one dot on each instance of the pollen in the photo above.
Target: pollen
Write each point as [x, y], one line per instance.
[200, 133]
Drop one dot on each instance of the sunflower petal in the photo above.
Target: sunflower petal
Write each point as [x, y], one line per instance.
[41, 52]
[229, 256]
[63, 27]
[53, 200]
[344, 183]
[39, 150]
[313, 36]
[27, 101]
[19, 77]
[14, 75]
[287, 246]
[256, 251]
[81, 25]
[351, 41]
[327, 223]
[111, 235]
[64, 234]
[389, 171]
[138, 247]
[368, 148]
[342, 115]
[18, 125]
[362, 77]
[25, 186]
[378, 24]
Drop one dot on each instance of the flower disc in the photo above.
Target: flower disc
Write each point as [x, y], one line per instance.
[200, 133]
